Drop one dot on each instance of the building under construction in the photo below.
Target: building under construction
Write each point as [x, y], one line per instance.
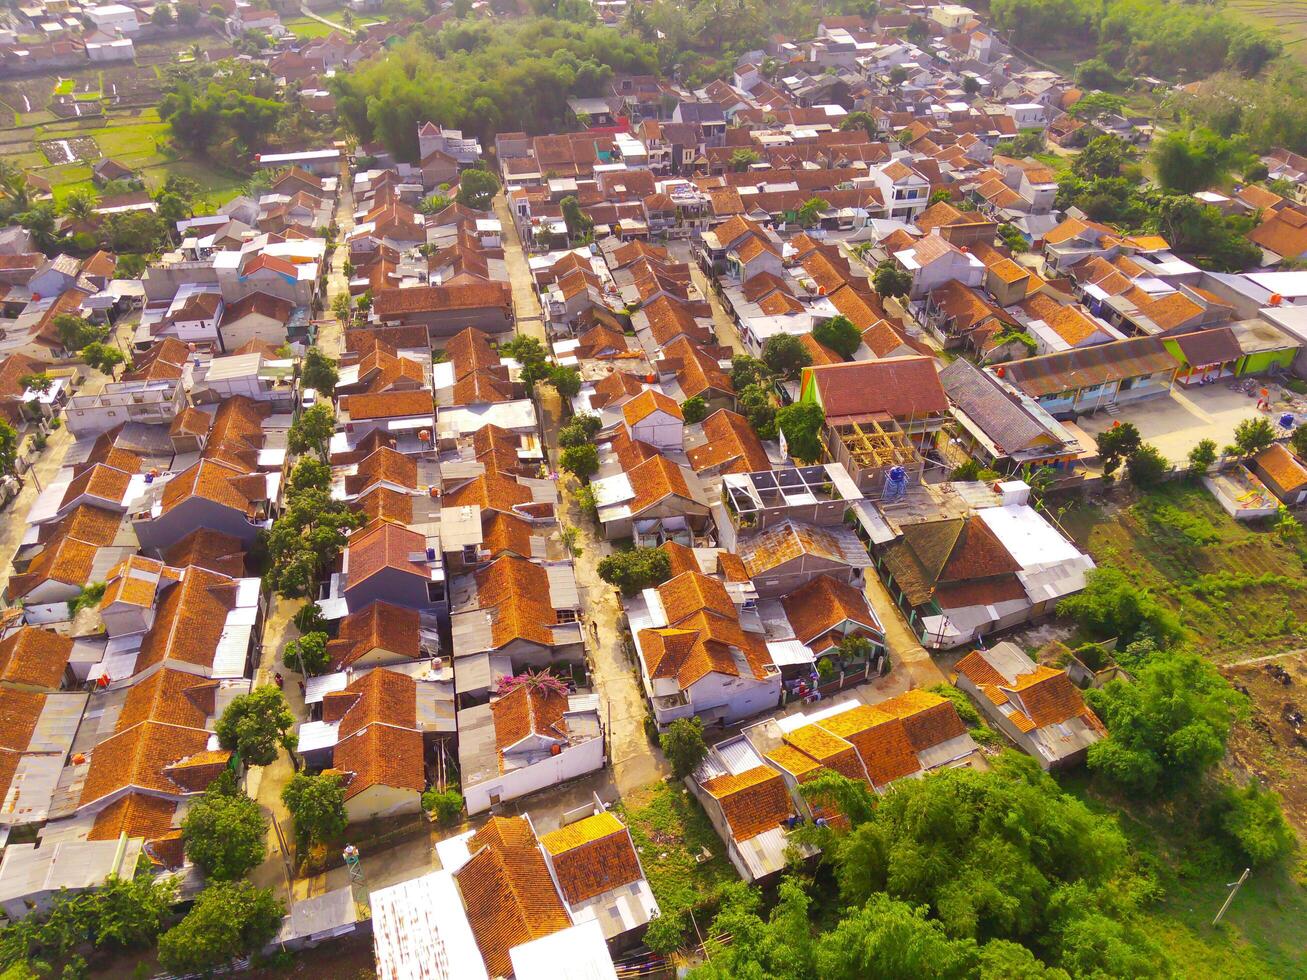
[870, 448]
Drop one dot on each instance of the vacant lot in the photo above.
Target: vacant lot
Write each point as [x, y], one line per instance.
[1240, 591]
[1273, 744]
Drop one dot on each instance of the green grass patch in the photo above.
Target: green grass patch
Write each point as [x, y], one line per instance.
[1260, 935]
[670, 829]
[1237, 588]
[308, 28]
[65, 86]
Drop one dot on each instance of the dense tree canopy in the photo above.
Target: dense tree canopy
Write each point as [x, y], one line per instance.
[225, 832]
[256, 725]
[484, 77]
[1168, 727]
[221, 105]
[962, 874]
[228, 920]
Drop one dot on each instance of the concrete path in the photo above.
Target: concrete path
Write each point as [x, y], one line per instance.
[727, 333]
[907, 656]
[311, 15]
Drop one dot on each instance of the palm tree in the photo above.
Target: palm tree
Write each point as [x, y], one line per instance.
[13, 186]
[80, 204]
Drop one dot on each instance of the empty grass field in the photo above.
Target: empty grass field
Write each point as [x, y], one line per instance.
[1240, 591]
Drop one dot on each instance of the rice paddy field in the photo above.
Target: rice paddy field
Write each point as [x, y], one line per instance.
[1286, 18]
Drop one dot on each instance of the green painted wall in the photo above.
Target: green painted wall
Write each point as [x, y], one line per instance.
[1257, 363]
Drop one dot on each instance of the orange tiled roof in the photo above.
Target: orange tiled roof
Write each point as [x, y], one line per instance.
[654, 480]
[732, 446]
[378, 626]
[525, 711]
[824, 604]
[753, 802]
[189, 620]
[507, 891]
[646, 403]
[692, 591]
[517, 593]
[385, 544]
[34, 657]
[592, 856]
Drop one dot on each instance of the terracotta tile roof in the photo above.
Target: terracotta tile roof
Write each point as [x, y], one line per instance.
[190, 421]
[732, 446]
[701, 644]
[1204, 348]
[65, 559]
[383, 464]
[785, 542]
[220, 483]
[592, 856]
[381, 755]
[19, 711]
[91, 524]
[136, 815]
[393, 303]
[132, 582]
[162, 361]
[34, 657]
[378, 626]
[670, 318]
[516, 592]
[389, 405]
[614, 386]
[503, 533]
[698, 372]
[819, 352]
[381, 545]
[881, 740]
[16, 366]
[189, 620]
[379, 696]
[507, 891]
[99, 482]
[139, 757]
[482, 388]
[527, 711]
[172, 697]
[385, 504]
[1283, 233]
[753, 802]
[264, 304]
[692, 591]
[1171, 311]
[1282, 467]
[237, 433]
[824, 604]
[682, 558]
[646, 403]
[208, 549]
[490, 491]
[470, 350]
[903, 388]
[1050, 374]
[654, 480]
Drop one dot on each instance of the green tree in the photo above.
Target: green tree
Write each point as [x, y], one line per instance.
[8, 447]
[228, 920]
[579, 223]
[76, 332]
[312, 431]
[1298, 441]
[1110, 605]
[1202, 456]
[565, 380]
[1253, 821]
[225, 833]
[581, 461]
[446, 805]
[810, 211]
[434, 204]
[162, 16]
[1193, 161]
[1147, 466]
[1096, 105]
[758, 407]
[1011, 236]
[747, 370]
[635, 570]
[476, 189]
[683, 745]
[308, 654]
[317, 807]
[531, 354]
[580, 429]
[310, 531]
[1104, 156]
[80, 204]
[860, 120]
[103, 357]
[1167, 728]
[839, 334]
[785, 356]
[694, 409]
[319, 372]
[255, 725]
[802, 423]
[1251, 436]
[130, 912]
[1117, 444]
[890, 280]
[340, 307]
[744, 158]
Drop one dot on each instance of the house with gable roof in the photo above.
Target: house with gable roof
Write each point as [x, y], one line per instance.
[532, 737]
[1036, 706]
